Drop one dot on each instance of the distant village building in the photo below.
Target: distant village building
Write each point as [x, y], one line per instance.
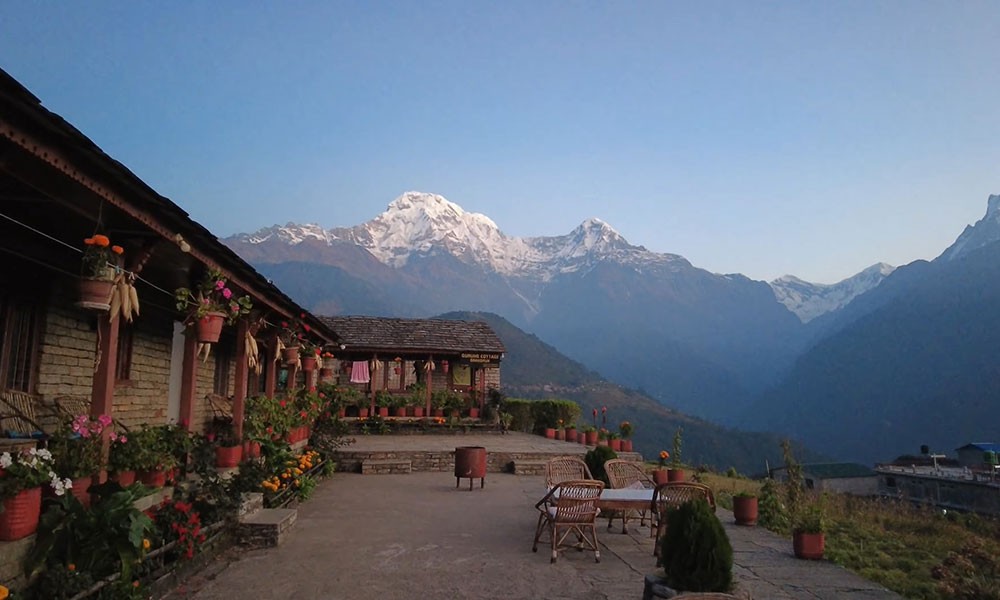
[440, 354]
[844, 478]
[970, 484]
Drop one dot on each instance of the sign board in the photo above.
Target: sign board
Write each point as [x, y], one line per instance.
[490, 358]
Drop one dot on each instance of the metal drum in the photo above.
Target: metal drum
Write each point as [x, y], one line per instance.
[470, 461]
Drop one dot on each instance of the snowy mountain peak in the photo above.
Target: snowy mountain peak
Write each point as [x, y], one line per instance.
[290, 233]
[984, 232]
[810, 300]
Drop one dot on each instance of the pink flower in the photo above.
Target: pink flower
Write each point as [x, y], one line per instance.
[226, 293]
[122, 438]
[104, 420]
[220, 284]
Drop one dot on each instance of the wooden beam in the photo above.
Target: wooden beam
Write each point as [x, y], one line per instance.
[271, 366]
[241, 373]
[189, 378]
[102, 389]
[430, 383]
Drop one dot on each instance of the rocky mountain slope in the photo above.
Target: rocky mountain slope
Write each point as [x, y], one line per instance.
[810, 300]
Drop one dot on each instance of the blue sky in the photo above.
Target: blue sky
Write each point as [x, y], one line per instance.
[812, 138]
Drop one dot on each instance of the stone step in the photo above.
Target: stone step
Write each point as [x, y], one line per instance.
[384, 467]
[251, 503]
[529, 467]
[266, 528]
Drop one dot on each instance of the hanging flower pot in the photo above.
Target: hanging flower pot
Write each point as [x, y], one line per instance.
[95, 294]
[308, 363]
[209, 327]
[290, 355]
[19, 518]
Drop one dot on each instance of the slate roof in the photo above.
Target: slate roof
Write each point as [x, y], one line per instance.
[981, 446]
[414, 335]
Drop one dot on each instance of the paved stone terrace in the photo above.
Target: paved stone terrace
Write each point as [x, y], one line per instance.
[417, 536]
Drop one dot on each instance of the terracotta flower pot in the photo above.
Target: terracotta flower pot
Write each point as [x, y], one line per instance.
[660, 476]
[19, 517]
[209, 327]
[79, 490]
[591, 437]
[400, 411]
[383, 411]
[341, 412]
[363, 413]
[571, 435]
[550, 433]
[745, 510]
[123, 478]
[227, 457]
[418, 411]
[95, 294]
[626, 445]
[308, 363]
[561, 435]
[438, 412]
[675, 475]
[156, 478]
[290, 355]
[616, 445]
[474, 413]
[809, 546]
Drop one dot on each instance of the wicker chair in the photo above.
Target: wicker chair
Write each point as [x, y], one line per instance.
[671, 495]
[570, 508]
[565, 468]
[627, 474]
[17, 413]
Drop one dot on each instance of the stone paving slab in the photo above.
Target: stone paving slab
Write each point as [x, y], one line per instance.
[416, 536]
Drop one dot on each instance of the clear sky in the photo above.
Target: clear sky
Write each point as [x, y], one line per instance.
[805, 137]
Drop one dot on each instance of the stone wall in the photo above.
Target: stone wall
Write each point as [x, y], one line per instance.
[67, 361]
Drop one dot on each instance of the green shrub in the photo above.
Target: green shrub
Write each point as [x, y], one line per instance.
[522, 418]
[771, 511]
[695, 552]
[595, 460]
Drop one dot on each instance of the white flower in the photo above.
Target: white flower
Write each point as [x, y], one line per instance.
[44, 454]
[5, 460]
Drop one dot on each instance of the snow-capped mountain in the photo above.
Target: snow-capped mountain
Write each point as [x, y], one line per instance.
[417, 224]
[810, 300]
[985, 231]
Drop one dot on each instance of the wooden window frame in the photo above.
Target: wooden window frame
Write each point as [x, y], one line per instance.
[123, 355]
[9, 306]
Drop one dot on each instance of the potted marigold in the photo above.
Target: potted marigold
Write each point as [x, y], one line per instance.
[100, 263]
[625, 429]
[211, 304]
[660, 475]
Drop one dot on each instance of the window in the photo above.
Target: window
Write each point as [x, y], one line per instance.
[20, 326]
[123, 358]
[223, 358]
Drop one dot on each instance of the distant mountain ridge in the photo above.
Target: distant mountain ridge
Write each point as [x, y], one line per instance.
[811, 300]
[722, 347]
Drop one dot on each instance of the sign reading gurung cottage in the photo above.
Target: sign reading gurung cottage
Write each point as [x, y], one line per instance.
[491, 358]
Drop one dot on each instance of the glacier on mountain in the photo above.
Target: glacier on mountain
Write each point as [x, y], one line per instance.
[985, 231]
[810, 300]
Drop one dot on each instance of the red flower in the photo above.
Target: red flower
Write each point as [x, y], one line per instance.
[282, 404]
[306, 327]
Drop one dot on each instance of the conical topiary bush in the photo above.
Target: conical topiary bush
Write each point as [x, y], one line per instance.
[695, 552]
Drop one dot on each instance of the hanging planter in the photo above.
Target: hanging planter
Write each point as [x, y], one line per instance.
[95, 294]
[308, 363]
[209, 327]
[290, 355]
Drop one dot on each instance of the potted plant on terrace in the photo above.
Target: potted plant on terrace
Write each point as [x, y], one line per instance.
[590, 435]
[809, 531]
[660, 474]
[76, 451]
[228, 448]
[745, 508]
[123, 459]
[211, 304]
[155, 457]
[22, 475]
[625, 429]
